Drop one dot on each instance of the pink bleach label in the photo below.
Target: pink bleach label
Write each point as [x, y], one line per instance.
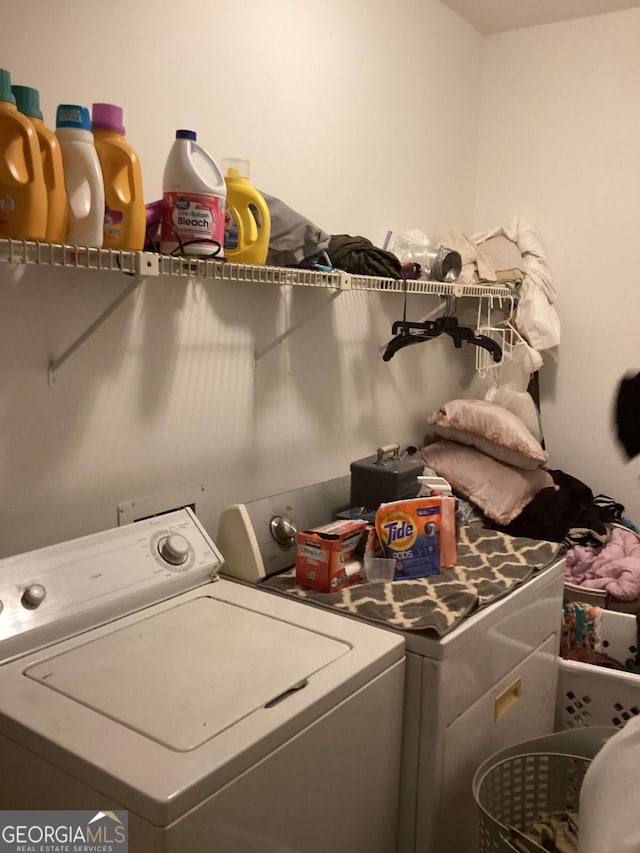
[193, 217]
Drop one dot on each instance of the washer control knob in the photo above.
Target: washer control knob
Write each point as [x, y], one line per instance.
[283, 530]
[174, 549]
[34, 595]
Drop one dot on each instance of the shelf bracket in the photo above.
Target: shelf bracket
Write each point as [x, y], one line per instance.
[55, 365]
[261, 353]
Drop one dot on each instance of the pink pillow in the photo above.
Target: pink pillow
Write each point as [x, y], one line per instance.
[491, 429]
[501, 491]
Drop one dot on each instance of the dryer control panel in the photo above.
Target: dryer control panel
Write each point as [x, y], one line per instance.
[53, 592]
[258, 539]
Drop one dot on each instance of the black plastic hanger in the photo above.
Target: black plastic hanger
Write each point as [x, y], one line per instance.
[464, 333]
[489, 344]
[408, 333]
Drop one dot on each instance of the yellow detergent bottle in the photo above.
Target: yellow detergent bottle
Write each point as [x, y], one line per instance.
[28, 103]
[247, 221]
[23, 193]
[125, 216]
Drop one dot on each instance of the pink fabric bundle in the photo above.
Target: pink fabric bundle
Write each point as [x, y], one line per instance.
[615, 567]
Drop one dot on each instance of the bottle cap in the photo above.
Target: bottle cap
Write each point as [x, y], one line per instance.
[5, 87]
[73, 115]
[27, 100]
[107, 117]
[235, 168]
[187, 134]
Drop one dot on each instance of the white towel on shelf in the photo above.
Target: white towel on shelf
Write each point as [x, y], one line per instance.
[504, 255]
[537, 317]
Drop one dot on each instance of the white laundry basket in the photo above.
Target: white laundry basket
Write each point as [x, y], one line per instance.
[589, 695]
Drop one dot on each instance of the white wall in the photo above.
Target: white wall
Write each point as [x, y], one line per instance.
[359, 115]
[559, 145]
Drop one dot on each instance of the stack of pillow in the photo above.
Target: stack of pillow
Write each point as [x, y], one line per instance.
[488, 455]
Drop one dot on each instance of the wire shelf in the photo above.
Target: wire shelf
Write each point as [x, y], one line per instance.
[152, 264]
[141, 266]
[506, 336]
[225, 271]
[59, 255]
[501, 330]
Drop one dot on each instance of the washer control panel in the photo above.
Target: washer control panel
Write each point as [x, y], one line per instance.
[174, 549]
[88, 581]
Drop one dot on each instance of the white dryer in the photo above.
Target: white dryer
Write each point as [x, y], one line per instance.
[222, 718]
[489, 683]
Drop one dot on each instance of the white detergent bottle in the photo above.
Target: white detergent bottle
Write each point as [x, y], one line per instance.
[82, 176]
[194, 200]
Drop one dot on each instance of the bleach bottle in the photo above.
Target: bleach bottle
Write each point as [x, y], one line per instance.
[194, 200]
[28, 102]
[82, 176]
[23, 194]
[248, 222]
[125, 216]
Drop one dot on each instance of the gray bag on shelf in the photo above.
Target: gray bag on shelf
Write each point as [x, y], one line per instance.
[293, 236]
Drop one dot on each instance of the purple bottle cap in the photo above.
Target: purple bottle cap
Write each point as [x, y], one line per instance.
[107, 117]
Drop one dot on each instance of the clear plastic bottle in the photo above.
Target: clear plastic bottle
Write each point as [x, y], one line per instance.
[23, 194]
[82, 176]
[28, 103]
[194, 200]
[124, 213]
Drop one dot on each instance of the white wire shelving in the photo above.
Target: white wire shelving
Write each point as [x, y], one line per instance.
[150, 264]
[145, 265]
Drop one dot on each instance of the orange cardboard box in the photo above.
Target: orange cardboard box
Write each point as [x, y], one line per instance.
[330, 557]
[421, 533]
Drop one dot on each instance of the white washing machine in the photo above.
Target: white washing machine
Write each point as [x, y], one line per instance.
[222, 718]
[489, 683]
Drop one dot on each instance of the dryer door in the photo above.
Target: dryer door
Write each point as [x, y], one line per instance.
[517, 708]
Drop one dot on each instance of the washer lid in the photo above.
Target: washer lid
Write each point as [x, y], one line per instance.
[182, 676]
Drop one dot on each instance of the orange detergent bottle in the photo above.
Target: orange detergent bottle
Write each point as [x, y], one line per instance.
[125, 216]
[28, 103]
[23, 193]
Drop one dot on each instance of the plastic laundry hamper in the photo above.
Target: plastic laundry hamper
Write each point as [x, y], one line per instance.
[589, 695]
[515, 786]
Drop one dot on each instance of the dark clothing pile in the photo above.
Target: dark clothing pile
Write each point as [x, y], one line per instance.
[569, 514]
[583, 655]
[359, 256]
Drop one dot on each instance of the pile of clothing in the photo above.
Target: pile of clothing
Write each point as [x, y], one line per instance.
[568, 513]
[613, 565]
[513, 254]
[582, 638]
[555, 832]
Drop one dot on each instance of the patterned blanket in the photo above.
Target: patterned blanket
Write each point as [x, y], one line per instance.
[490, 564]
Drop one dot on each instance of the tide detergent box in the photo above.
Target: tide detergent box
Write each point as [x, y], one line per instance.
[420, 533]
[330, 557]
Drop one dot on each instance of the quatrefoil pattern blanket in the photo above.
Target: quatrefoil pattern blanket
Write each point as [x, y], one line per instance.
[490, 565]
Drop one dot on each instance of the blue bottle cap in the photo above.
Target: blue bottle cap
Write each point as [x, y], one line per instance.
[27, 101]
[186, 134]
[5, 87]
[73, 115]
